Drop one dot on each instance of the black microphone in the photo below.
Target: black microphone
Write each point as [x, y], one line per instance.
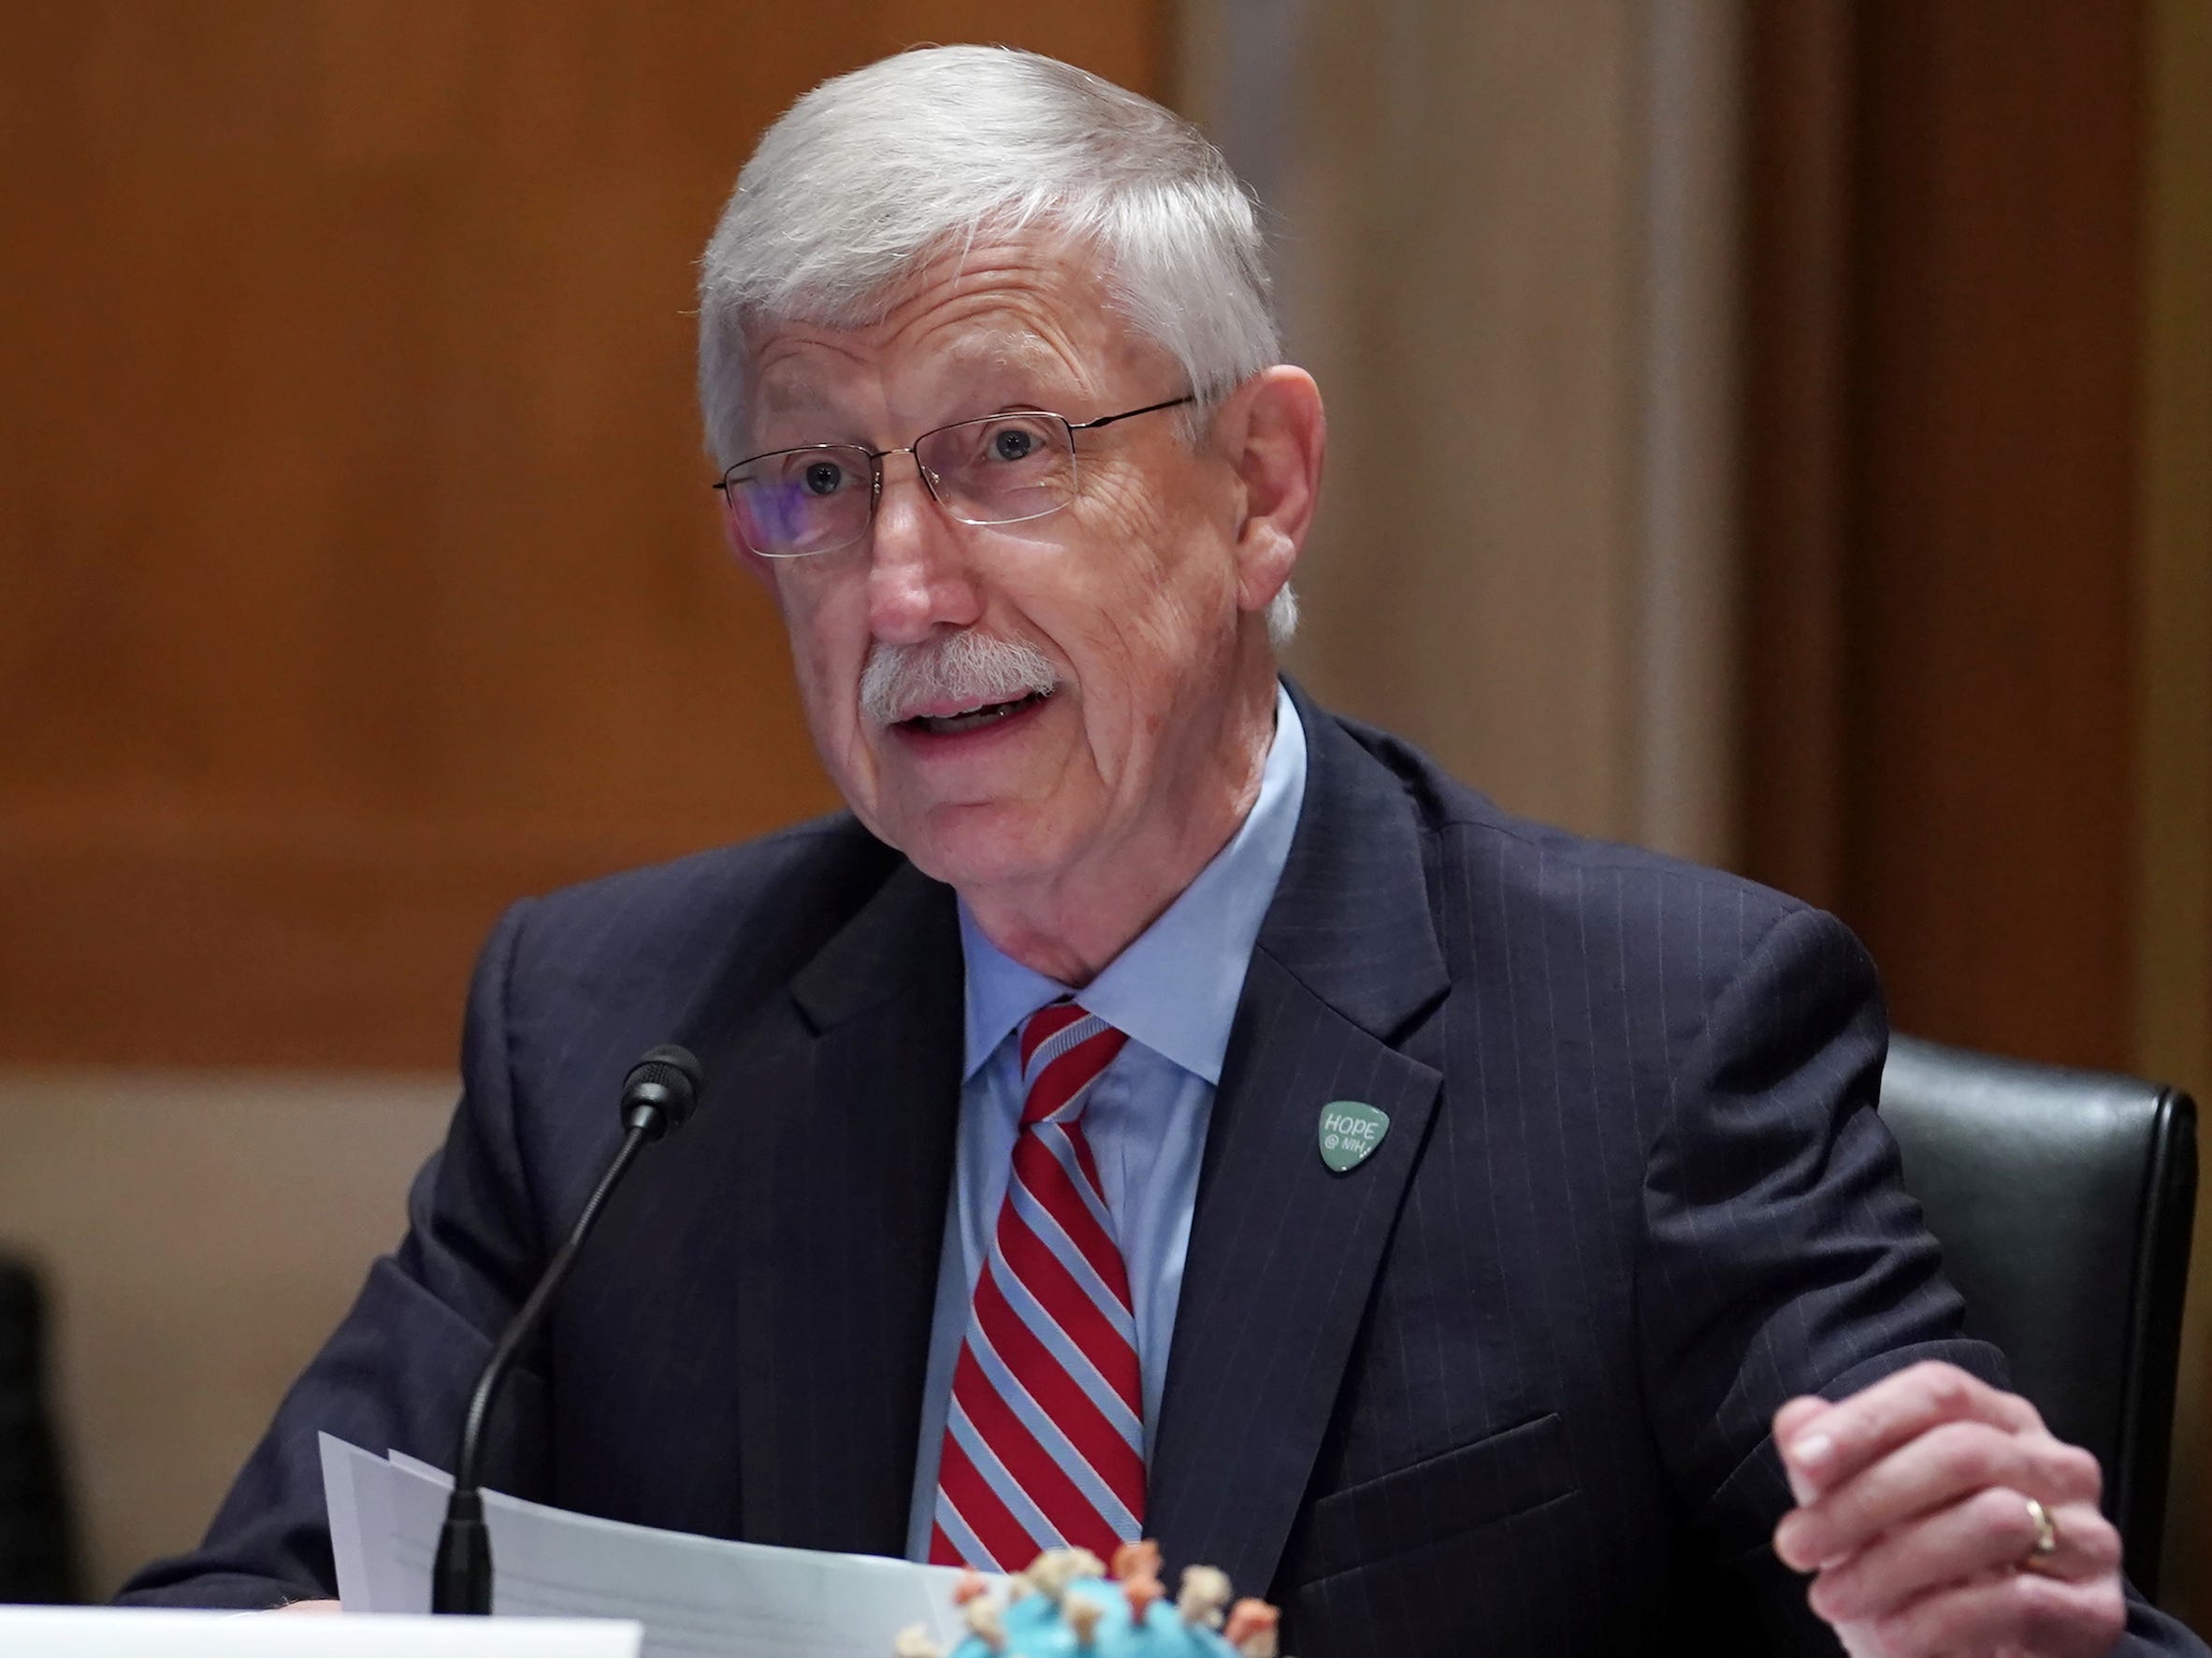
[658, 1098]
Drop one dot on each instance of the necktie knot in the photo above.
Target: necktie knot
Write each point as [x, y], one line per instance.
[1063, 1051]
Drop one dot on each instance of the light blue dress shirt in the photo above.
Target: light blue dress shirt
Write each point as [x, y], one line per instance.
[1173, 992]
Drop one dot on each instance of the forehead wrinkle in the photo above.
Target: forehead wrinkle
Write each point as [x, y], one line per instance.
[1013, 282]
[988, 357]
[993, 329]
[1015, 361]
[1017, 308]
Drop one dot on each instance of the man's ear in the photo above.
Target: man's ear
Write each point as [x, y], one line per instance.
[1276, 435]
[759, 569]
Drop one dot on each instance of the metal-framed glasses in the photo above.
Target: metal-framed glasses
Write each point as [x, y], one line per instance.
[1000, 468]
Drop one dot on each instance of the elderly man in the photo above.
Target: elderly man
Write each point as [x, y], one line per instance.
[1160, 1106]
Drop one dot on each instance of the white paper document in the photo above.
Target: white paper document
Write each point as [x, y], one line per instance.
[694, 1596]
[134, 1632]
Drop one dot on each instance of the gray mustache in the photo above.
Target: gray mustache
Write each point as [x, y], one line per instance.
[967, 667]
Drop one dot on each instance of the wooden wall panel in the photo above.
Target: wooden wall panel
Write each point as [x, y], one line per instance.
[1979, 533]
[1940, 521]
[358, 571]
[1798, 98]
[1990, 702]
[1460, 271]
[2174, 692]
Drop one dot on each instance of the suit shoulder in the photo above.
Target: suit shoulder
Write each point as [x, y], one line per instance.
[820, 843]
[783, 895]
[1514, 866]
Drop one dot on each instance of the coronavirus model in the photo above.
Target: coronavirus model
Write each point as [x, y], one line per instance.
[1065, 1604]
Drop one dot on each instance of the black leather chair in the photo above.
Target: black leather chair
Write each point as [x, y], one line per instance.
[37, 1556]
[2063, 1201]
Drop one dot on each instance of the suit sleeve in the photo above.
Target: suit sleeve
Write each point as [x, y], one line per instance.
[397, 1373]
[1781, 1255]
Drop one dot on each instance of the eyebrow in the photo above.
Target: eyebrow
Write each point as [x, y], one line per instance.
[799, 406]
[790, 396]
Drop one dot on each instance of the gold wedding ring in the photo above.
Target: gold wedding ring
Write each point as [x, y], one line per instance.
[2046, 1537]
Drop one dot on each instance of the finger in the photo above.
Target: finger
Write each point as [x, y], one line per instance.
[1985, 1532]
[2048, 1616]
[1792, 1419]
[1870, 1425]
[1796, 1413]
[1988, 1532]
[1944, 1466]
[2087, 1547]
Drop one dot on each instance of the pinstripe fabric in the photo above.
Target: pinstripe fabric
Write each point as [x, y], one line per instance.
[1043, 1441]
[1502, 1388]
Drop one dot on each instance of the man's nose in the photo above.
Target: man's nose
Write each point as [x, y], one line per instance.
[918, 577]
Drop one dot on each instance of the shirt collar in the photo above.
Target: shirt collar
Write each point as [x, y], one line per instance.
[1175, 987]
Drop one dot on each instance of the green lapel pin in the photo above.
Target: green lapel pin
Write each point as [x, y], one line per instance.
[1349, 1132]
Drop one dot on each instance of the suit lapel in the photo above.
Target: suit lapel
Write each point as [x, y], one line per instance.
[846, 1108]
[1283, 1252]
[814, 1186]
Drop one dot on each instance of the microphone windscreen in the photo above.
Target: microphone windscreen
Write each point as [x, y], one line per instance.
[672, 1073]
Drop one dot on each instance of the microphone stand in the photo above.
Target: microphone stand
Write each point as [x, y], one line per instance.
[654, 1102]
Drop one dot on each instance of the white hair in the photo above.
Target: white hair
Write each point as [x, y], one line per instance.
[872, 175]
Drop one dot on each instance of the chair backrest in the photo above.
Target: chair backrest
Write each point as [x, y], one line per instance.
[2063, 1201]
[37, 1561]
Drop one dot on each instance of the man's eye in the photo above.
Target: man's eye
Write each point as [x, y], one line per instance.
[1013, 443]
[823, 477]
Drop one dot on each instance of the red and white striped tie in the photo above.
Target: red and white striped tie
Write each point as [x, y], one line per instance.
[1043, 1442]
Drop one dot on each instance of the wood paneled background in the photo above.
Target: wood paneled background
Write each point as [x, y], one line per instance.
[1942, 471]
[359, 571]
[357, 575]
[1978, 550]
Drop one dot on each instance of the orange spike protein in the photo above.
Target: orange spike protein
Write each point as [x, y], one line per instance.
[1072, 1606]
[1251, 1628]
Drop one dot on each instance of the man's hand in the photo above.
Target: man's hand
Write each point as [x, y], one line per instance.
[1914, 1514]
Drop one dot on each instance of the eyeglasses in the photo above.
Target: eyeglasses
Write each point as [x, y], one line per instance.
[1001, 469]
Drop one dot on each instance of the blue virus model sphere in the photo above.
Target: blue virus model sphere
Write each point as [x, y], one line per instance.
[1065, 1604]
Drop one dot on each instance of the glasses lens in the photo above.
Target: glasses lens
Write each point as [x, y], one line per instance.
[1003, 468]
[800, 500]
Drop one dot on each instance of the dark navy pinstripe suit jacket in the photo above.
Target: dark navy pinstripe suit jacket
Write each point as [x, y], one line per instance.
[1502, 1389]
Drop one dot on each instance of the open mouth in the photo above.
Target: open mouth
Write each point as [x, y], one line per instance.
[973, 719]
